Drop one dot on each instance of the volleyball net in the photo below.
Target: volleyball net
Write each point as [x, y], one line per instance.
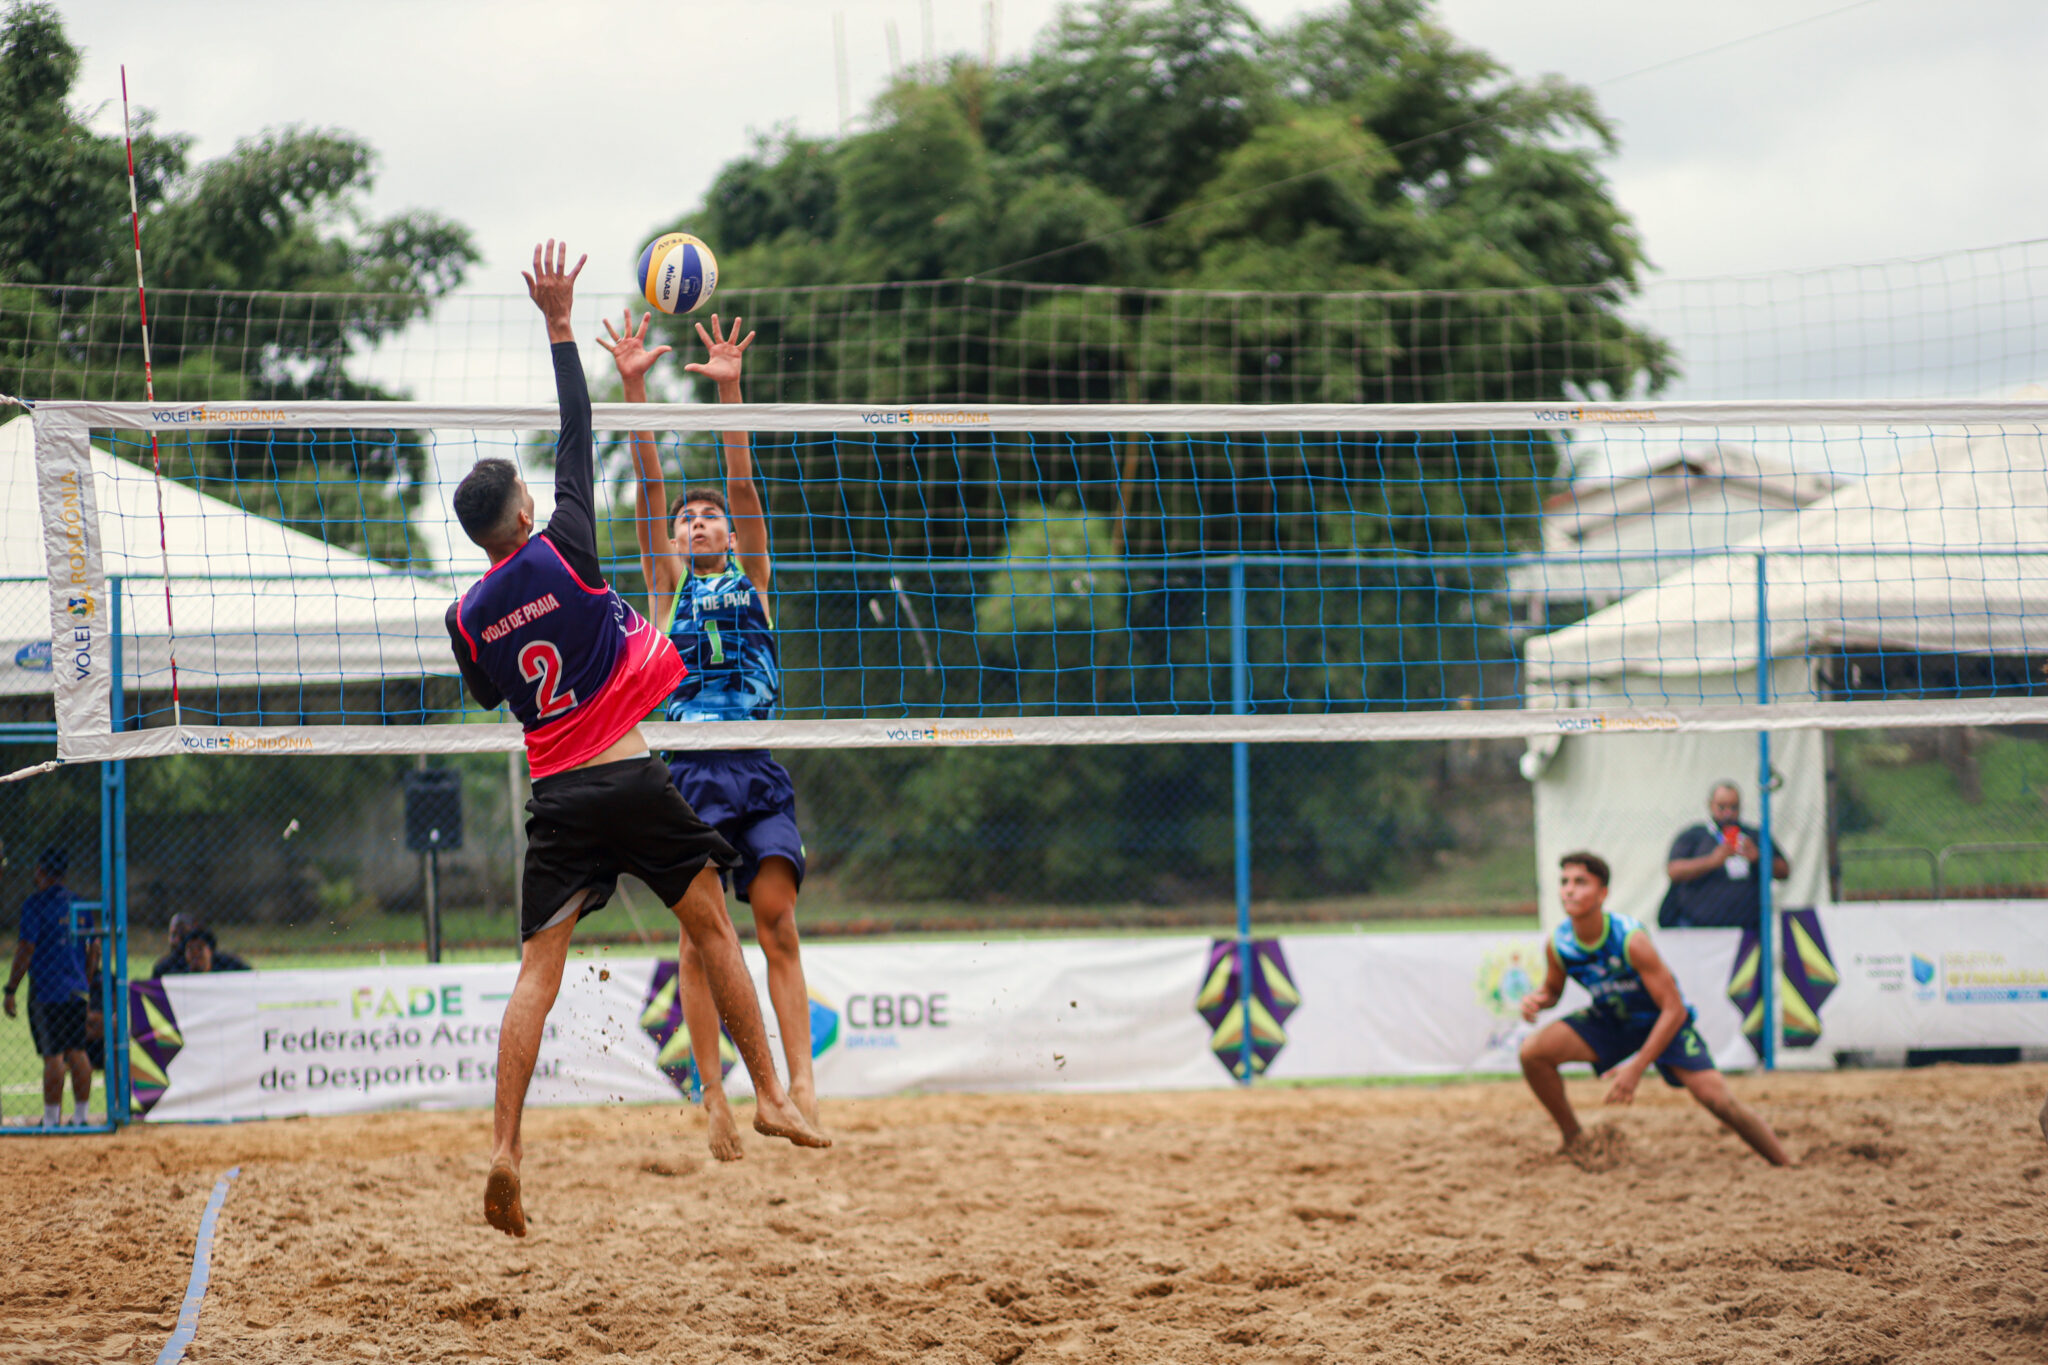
[1045, 574]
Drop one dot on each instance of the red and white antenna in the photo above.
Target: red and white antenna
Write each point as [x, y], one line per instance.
[149, 395]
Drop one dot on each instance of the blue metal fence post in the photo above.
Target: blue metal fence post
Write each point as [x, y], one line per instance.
[1241, 809]
[1767, 919]
[114, 878]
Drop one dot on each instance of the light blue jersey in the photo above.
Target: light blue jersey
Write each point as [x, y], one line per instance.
[1604, 970]
[722, 629]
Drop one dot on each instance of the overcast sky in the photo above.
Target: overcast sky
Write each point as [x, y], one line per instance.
[1899, 127]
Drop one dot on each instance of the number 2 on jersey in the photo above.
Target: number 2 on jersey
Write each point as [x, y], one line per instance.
[540, 662]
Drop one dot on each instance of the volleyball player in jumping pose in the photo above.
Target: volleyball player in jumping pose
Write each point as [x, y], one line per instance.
[1638, 1018]
[708, 577]
[543, 633]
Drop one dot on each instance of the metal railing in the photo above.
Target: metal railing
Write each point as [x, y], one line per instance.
[1937, 860]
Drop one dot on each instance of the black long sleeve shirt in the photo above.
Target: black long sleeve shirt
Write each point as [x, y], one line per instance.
[572, 529]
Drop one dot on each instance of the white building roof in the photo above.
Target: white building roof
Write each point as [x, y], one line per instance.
[1947, 552]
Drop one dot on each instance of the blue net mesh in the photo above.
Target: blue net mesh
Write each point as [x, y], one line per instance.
[974, 575]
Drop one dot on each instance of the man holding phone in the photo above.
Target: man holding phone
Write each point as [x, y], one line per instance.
[1713, 869]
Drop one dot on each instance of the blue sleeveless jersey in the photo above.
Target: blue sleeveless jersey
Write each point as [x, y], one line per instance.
[1606, 973]
[722, 630]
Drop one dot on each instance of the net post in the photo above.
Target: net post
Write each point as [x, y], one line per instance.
[114, 874]
[1241, 810]
[1767, 918]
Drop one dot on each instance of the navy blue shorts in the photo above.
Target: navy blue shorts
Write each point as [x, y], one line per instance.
[746, 796]
[1614, 1043]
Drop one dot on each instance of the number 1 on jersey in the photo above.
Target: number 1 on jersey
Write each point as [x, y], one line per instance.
[717, 645]
[540, 662]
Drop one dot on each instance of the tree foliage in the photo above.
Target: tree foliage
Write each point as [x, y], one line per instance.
[281, 214]
[1177, 145]
[1165, 202]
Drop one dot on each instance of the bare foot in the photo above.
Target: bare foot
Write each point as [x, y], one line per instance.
[785, 1120]
[725, 1134]
[805, 1098]
[502, 1207]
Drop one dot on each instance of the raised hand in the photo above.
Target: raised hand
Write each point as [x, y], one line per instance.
[723, 349]
[628, 347]
[551, 287]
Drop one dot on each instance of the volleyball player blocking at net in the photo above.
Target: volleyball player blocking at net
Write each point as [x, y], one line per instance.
[543, 633]
[708, 576]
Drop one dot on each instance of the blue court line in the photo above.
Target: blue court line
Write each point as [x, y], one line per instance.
[195, 1292]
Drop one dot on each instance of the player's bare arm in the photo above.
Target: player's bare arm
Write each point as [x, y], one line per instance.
[1552, 990]
[724, 353]
[661, 564]
[1671, 1017]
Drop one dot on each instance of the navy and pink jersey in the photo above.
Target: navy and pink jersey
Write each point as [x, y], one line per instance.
[543, 632]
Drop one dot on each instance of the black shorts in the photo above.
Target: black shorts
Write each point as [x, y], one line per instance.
[57, 1026]
[586, 826]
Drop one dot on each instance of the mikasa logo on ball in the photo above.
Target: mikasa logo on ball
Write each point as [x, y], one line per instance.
[677, 273]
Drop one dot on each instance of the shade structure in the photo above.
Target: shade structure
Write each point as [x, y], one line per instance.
[256, 604]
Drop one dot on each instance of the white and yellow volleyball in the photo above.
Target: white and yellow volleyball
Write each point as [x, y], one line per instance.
[677, 273]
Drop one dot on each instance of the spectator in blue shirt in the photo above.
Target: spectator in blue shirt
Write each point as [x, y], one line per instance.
[58, 991]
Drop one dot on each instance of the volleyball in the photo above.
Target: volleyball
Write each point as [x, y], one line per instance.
[677, 273]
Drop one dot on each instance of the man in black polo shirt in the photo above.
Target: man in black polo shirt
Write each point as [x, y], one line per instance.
[1713, 869]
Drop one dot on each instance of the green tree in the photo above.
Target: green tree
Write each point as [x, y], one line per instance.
[281, 213]
[1165, 202]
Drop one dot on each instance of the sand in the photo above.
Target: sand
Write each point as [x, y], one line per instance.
[1428, 1224]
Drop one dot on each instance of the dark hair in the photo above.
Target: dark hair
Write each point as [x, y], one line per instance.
[54, 861]
[710, 495]
[1595, 865]
[200, 935]
[483, 501]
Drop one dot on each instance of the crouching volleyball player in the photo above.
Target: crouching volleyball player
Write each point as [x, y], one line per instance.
[708, 578]
[544, 633]
[1638, 1018]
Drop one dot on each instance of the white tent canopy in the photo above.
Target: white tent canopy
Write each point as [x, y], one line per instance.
[1947, 553]
[255, 602]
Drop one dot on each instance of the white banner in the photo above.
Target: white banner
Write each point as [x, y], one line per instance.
[81, 635]
[1091, 1014]
[99, 743]
[1936, 974]
[1442, 1004]
[350, 1040]
[1111, 417]
[1055, 1014]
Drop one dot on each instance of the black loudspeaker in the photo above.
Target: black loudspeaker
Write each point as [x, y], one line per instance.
[433, 810]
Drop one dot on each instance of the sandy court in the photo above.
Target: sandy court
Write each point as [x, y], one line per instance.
[1284, 1225]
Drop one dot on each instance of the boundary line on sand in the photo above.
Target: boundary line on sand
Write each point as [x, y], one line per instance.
[202, 1270]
